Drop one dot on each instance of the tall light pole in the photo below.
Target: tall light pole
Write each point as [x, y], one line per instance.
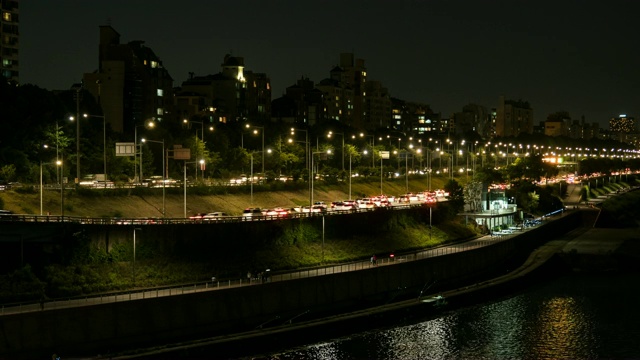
[373, 145]
[61, 164]
[306, 155]
[150, 124]
[251, 155]
[184, 183]
[163, 174]
[312, 176]
[185, 121]
[329, 135]
[248, 126]
[78, 134]
[251, 178]
[134, 255]
[104, 143]
[349, 175]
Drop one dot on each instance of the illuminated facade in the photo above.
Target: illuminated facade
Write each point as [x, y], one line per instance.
[10, 41]
[622, 124]
[344, 91]
[235, 93]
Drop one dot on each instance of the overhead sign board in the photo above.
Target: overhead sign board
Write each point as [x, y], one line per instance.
[125, 149]
[181, 153]
[384, 155]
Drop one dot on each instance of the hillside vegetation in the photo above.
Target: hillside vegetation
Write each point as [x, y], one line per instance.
[83, 267]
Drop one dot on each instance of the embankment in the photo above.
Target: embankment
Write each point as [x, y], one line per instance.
[114, 327]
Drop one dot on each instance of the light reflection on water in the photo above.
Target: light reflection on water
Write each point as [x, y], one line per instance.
[572, 317]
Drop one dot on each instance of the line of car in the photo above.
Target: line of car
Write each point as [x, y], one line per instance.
[319, 207]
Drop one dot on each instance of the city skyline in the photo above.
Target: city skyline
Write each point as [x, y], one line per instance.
[572, 56]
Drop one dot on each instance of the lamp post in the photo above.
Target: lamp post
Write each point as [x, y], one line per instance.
[78, 134]
[77, 120]
[61, 164]
[104, 143]
[349, 175]
[134, 255]
[262, 132]
[163, 174]
[150, 124]
[251, 155]
[184, 185]
[329, 135]
[185, 121]
[306, 154]
[312, 176]
[373, 145]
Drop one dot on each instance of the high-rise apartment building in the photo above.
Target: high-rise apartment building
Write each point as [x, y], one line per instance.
[622, 124]
[130, 84]
[377, 110]
[513, 117]
[344, 91]
[302, 104]
[10, 41]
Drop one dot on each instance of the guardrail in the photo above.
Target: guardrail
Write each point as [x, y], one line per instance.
[165, 221]
[255, 279]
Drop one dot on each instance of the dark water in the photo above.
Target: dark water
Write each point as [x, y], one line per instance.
[569, 317]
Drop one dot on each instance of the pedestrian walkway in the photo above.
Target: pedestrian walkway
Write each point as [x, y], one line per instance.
[382, 260]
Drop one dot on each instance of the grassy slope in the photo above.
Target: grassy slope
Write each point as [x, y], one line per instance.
[151, 206]
[101, 274]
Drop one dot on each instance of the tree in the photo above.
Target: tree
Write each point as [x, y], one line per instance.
[473, 195]
[456, 195]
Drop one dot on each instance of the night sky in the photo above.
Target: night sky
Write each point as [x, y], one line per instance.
[579, 56]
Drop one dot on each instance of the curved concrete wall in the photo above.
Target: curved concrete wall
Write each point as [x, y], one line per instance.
[107, 327]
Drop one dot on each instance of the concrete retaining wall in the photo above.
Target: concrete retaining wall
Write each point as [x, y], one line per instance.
[107, 327]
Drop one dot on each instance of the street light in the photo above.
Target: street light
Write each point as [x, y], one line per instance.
[251, 155]
[312, 176]
[77, 120]
[184, 183]
[373, 145]
[104, 143]
[185, 121]
[329, 135]
[134, 255]
[306, 156]
[163, 174]
[255, 132]
[150, 124]
[59, 162]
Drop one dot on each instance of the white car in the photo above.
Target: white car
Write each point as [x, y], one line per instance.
[214, 216]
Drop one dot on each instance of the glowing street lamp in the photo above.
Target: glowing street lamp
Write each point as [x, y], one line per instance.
[104, 143]
[329, 135]
[312, 175]
[163, 174]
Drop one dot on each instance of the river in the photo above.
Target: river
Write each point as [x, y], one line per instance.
[574, 316]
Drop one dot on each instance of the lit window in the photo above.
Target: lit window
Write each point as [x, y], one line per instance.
[154, 64]
[6, 16]
[160, 92]
[160, 111]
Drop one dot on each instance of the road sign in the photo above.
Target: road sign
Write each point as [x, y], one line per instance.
[125, 149]
[384, 154]
[181, 153]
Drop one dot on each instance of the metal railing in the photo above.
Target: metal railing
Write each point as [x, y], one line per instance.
[257, 279]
